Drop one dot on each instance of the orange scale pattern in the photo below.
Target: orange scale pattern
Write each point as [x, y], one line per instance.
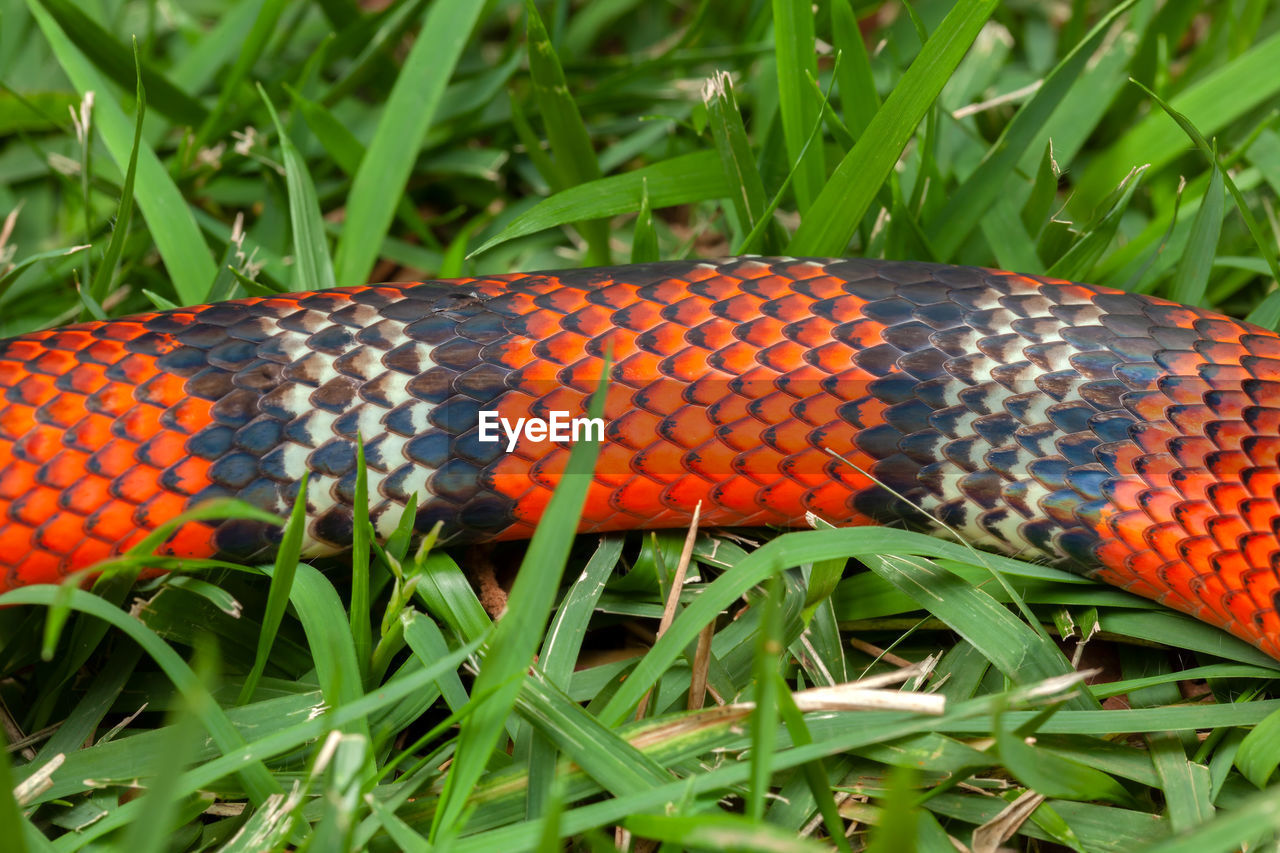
[90, 463]
[710, 375]
[1122, 436]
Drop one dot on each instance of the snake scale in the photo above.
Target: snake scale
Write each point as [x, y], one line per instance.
[1121, 436]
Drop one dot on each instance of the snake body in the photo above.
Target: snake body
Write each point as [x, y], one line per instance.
[1119, 435]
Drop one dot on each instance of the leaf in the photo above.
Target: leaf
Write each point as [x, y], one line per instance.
[1052, 775]
[859, 99]
[311, 251]
[966, 204]
[831, 221]
[258, 782]
[574, 157]
[286, 567]
[1264, 243]
[406, 118]
[644, 239]
[1259, 753]
[680, 180]
[1210, 104]
[515, 637]
[124, 210]
[8, 278]
[1191, 279]
[1078, 261]
[113, 59]
[795, 52]
[741, 176]
[186, 257]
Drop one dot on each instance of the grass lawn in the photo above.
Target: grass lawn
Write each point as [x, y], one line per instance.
[243, 147]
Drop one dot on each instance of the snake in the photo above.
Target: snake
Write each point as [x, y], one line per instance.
[1121, 436]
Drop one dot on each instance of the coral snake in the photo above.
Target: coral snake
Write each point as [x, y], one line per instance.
[1122, 436]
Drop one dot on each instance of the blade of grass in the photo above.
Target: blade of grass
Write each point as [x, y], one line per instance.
[783, 552]
[186, 257]
[515, 637]
[181, 738]
[250, 50]
[1050, 774]
[859, 99]
[718, 831]
[764, 718]
[644, 239]
[1077, 263]
[257, 781]
[1259, 753]
[966, 204]
[1191, 279]
[124, 210]
[324, 620]
[1210, 103]
[680, 180]
[315, 271]
[574, 156]
[794, 47]
[831, 221]
[559, 654]
[746, 188]
[286, 566]
[361, 537]
[7, 280]
[113, 59]
[406, 118]
[1267, 314]
[12, 827]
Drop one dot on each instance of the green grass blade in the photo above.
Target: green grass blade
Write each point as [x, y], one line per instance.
[250, 50]
[162, 799]
[719, 831]
[1078, 261]
[742, 177]
[515, 637]
[967, 203]
[831, 221]
[115, 60]
[784, 552]
[286, 567]
[311, 251]
[766, 663]
[12, 827]
[324, 620]
[1259, 753]
[644, 239]
[1191, 280]
[11, 276]
[361, 541]
[1052, 775]
[406, 118]
[560, 652]
[124, 210]
[1263, 315]
[574, 156]
[794, 47]
[186, 257]
[1012, 647]
[680, 180]
[258, 782]
[1240, 829]
[1210, 103]
[859, 99]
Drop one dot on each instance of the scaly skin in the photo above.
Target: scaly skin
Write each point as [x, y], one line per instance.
[1122, 436]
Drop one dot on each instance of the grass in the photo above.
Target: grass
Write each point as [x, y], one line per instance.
[376, 704]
